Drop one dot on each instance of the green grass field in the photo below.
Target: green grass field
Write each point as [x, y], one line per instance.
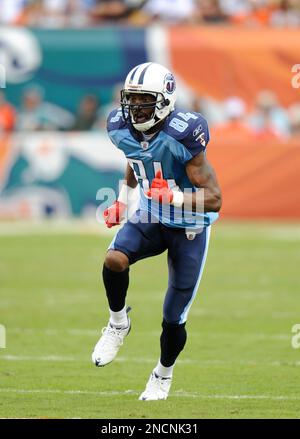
[238, 361]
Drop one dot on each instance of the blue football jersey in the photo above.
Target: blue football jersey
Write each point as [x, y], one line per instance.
[182, 136]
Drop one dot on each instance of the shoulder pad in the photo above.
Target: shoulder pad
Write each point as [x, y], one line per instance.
[190, 129]
[115, 120]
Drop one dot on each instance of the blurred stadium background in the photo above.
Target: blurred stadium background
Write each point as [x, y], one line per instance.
[63, 63]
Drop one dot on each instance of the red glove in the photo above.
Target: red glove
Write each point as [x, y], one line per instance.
[160, 191]
[114, 214]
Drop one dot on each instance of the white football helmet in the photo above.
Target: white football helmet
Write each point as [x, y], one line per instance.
[154, 79]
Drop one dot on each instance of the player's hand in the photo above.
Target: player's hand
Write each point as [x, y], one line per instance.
[159, 190]
[114, 214]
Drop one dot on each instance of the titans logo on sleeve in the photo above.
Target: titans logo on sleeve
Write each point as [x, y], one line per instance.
[182, 137]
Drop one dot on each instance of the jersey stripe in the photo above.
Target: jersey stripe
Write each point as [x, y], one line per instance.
[184, 315]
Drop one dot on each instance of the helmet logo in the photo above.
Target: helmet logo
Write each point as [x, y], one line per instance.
[170, 83]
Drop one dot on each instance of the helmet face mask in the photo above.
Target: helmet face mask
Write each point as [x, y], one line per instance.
[139, 107]
[148, 96]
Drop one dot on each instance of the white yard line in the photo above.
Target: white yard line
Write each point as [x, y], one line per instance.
[36, 227]
[68, 392]
[281, 231]
[140, 360]
[176, 394]
[50, 358]
[94, 333]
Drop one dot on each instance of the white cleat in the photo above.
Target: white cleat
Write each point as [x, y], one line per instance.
[109, 344]
[157, 388]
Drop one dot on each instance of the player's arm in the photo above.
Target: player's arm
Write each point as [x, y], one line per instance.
[202, 175]
[116, 213]
[129, 178]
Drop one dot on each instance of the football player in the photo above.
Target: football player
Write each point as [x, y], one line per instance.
[179, 200]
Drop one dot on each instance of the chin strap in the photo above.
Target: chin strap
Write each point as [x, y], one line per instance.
[156, 121]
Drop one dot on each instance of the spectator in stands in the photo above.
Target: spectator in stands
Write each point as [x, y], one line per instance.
[59, 13]
[36, 114]
[236, 10]
[248, 12]
[79, 12]
[196, 105]
[286, 15]
[235, 128]
[12, 10]
[7, 115]
[87, 114]
[211, 12]
[53, 13]
[209, 108]
[294, 117]
[260, 13]
[106, 109]
[269, 119]
[172, 11]
[113, 10]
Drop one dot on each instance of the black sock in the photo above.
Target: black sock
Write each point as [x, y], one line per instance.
[172, 341]
[116, 285]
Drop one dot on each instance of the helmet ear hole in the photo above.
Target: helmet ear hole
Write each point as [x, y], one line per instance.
[167, 102]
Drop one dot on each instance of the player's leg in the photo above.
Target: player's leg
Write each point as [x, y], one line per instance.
[116, 279]
[115, 274]
[186, 260]
[135, 241]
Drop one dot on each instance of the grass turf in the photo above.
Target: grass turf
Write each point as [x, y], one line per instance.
[238, 361]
